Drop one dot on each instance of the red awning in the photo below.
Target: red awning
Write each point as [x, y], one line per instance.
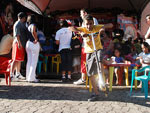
[40, 6]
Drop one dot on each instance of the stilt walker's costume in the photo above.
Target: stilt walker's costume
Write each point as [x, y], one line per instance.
[93, 52]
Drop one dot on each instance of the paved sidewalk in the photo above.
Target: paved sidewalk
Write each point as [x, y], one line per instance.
[52, 96]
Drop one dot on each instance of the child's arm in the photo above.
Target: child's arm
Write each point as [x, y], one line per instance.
[143, 62]
[101, 30]
[74, 29]
[126, 61]
[107, 26]
[57, 38]
[138, 58]
[113, 59]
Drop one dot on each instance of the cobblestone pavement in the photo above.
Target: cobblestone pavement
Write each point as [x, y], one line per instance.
[53, 96]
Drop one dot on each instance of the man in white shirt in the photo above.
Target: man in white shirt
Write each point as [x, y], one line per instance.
[63, 38]
[83, 13]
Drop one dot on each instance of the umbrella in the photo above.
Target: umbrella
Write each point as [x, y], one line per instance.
[49, 6]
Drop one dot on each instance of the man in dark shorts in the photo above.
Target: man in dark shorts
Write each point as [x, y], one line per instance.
[63, 38]
[20, 33]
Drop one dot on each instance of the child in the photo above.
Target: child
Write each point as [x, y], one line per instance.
[108, 44]
[144, 57]
[117, 59]
[48, 46]
[91, 65]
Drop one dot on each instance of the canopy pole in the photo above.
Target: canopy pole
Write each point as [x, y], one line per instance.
[47, 7]
[143, 6]
[132, 5]
[43, 23]
[89, 2]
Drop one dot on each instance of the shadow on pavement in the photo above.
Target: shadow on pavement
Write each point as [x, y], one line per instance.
[70, 92]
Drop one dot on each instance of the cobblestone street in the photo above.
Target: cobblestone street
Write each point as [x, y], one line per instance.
[53, 96]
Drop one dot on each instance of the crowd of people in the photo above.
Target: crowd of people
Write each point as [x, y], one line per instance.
[113, 45]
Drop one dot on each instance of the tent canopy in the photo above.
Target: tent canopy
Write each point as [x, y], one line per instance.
[41, 6]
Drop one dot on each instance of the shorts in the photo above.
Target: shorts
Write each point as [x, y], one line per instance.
[17, 53]
[83, 61]
[66, 60]
[76, 61]
[91, 64]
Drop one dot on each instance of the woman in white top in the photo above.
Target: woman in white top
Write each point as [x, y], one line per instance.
[32, 49]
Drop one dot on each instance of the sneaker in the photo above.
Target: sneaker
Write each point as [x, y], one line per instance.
[104, 89]
[11, 75]
[63, 79]
[35, 81]
[74, 72]
[69, 79]
[79, 82]
[93, 97]
[19, 76]
[14, 79]
[140, 85]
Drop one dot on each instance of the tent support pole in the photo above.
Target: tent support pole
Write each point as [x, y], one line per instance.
[43, 23]
[130, 2]
[89, 2]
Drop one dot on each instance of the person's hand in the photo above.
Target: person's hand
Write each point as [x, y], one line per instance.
[85, 35]
[138, 31]
[101, 30]
[138, 58]
[77, 46]
[142, 61]
[127, 62]
[35, 41]
[19, 45]
[141, 57]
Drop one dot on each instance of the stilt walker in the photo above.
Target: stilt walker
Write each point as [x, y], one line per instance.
[101, 82]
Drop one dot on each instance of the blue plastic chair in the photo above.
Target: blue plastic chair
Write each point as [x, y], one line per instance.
[39, 64]
[144, 78]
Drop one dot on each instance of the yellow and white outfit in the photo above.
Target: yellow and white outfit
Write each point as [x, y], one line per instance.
[88, 40]
[91, 66]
